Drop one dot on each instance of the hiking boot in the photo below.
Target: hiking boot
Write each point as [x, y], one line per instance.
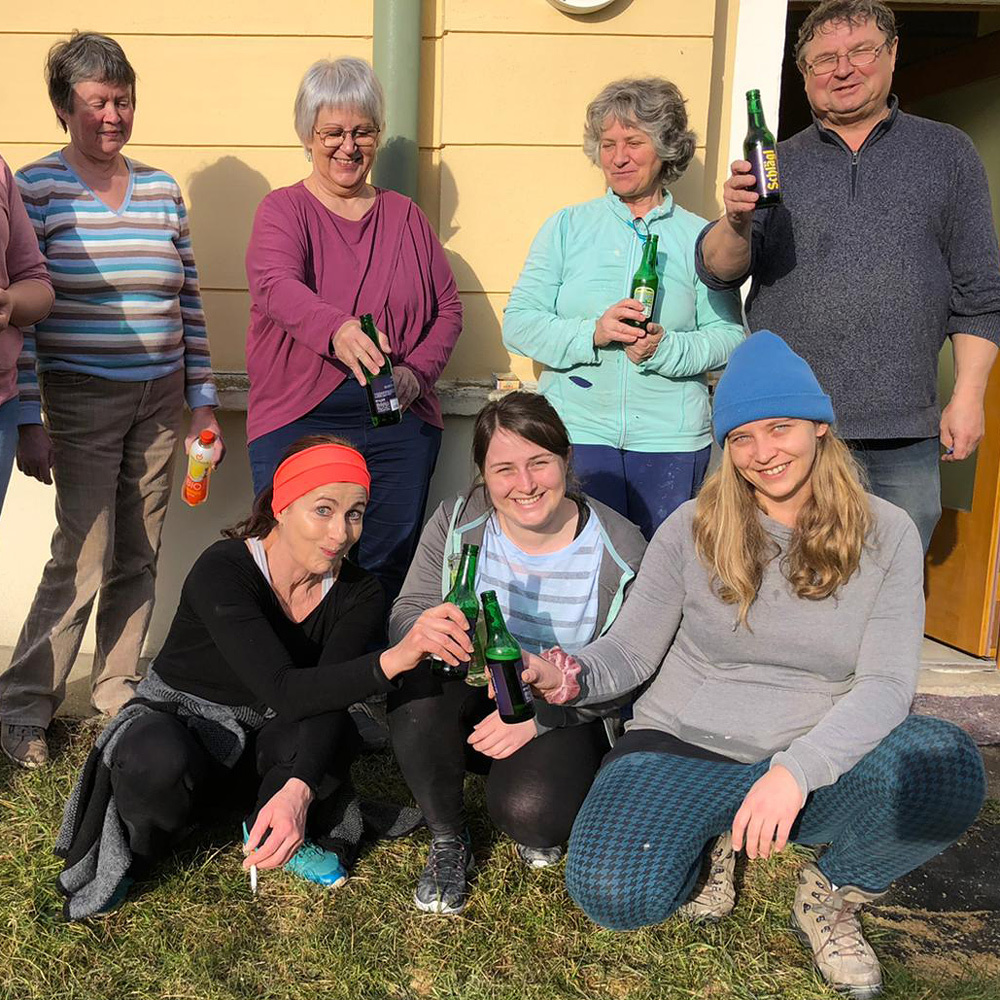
[315, 864]
[826, 921]
[116, 900]
[715, 893]
[25, 745]
[443, 886]
[539, 857]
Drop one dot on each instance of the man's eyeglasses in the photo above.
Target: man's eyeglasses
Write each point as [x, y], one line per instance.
[827, 63]
[333, 138]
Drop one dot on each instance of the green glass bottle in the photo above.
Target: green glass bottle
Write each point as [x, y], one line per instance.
[503, 660]
[645, 283]
[462, 593]
[761, 150]
[383, 403]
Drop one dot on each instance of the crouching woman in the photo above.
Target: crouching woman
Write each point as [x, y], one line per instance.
[779, 616]
[247, 701]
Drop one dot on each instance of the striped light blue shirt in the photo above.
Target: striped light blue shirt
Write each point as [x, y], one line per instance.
[547, 600]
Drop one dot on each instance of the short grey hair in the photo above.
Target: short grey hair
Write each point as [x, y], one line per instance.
[84, 56]
[338, 83]
[652, 104]
[852, 12]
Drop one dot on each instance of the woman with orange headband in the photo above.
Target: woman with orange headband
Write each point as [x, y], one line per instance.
[248, 697]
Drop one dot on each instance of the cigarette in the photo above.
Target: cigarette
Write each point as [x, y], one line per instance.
[253, 879]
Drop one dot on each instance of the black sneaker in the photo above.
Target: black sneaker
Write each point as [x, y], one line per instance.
[443, 886]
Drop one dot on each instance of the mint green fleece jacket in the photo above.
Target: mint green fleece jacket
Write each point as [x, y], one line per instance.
[581, 262]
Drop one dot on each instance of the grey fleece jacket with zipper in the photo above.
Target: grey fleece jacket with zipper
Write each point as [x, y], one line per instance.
[871, 260]
[814, 686]
[462, 520]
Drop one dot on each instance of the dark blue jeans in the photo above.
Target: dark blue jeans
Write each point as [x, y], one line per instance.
[906, 472]
[645, 487]
[400, 458]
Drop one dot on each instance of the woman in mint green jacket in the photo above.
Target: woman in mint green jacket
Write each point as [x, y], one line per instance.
[635, 400]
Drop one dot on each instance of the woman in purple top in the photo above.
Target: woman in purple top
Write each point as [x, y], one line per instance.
[322, 253]
[25, 298]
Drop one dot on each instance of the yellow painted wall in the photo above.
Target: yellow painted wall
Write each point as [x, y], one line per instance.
[503, 91]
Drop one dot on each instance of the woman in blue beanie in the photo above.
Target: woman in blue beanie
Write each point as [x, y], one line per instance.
[777, 620]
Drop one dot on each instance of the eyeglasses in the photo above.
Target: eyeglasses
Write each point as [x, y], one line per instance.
[858, 57]
[363, 138]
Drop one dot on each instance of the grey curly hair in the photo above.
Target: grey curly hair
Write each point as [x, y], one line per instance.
[652, 104]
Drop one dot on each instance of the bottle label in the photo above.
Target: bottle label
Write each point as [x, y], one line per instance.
[507, 685]
[764, 161]
[384, 394]
[646, 296]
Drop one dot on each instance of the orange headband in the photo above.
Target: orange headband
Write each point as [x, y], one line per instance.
[312, 467]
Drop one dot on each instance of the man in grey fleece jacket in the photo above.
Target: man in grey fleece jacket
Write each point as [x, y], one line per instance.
[883, 246]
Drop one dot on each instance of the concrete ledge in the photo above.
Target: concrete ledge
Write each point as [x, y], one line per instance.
[459, 397]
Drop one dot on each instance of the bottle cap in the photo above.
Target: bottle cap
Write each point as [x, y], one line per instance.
[207, 437]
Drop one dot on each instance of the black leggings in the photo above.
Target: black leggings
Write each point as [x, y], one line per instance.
[166, 783]
[533, 795]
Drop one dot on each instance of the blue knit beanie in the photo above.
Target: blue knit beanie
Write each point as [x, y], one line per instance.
[766, 378]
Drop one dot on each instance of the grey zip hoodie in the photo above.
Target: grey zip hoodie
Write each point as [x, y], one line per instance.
[814, 686]
[461, 521]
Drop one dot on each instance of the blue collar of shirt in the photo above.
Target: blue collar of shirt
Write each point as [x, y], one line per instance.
[620, 209]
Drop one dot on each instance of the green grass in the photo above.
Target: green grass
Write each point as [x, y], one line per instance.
[196, 932]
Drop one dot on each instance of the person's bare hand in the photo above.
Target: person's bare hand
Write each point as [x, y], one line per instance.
[611, 327]
[739, 196]
[645, 347]
[35, 455]
[284, 814]
[498, 739]
[407, 386]
[441, 631]
[203, 419]
[767, 813]
[545, 678]
[963, 423]
[354, 348]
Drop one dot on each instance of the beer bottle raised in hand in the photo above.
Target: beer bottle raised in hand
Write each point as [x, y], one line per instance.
[462, 593]
[503, 660]
[761, 150]
[645, 283]
[383, 403]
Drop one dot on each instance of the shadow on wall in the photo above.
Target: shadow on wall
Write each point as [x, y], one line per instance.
[223, 198]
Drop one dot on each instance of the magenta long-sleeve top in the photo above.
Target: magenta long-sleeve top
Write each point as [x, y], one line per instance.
[20, 260]
[311, 270]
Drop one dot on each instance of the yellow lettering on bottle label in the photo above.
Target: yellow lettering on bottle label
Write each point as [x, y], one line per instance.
[770, 158]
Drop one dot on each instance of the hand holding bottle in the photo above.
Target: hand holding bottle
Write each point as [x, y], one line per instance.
[441, 631]
[739, 196]
[611, 326]
[646, 345]
[352, 346]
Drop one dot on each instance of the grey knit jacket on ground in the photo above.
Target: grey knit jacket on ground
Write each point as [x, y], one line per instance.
[814, 686]
[871, 261]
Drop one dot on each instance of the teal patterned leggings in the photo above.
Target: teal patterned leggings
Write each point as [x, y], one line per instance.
[637, 843]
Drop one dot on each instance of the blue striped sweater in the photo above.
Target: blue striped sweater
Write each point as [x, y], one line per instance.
[128, 307]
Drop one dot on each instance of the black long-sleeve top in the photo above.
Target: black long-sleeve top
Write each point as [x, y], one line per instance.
[232, 643]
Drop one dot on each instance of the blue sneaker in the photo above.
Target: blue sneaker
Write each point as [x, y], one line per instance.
[317, 865]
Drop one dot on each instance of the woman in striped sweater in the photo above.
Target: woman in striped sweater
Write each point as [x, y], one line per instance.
[112, 366]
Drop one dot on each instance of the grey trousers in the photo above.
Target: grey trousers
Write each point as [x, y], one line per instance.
[113, 446]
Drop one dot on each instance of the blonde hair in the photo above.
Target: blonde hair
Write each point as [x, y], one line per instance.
[826, 544]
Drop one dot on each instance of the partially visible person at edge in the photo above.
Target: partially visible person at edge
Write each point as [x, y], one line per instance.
[25, 298]
[777, 620]
[560, 563]
[248, 698]
[123, 348]
[635, 402]
[874, 258]
[322, 253]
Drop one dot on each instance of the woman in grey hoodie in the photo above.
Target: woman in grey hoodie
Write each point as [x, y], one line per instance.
[777, 620]
[560, 564]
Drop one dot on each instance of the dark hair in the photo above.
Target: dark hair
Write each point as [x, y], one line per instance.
[529, 415]
[852, 12]
[85, 55]
[262, 521]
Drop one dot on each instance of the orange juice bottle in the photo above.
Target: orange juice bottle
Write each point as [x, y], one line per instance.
[195, 489]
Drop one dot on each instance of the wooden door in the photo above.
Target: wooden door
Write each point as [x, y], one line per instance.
[962, 562]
